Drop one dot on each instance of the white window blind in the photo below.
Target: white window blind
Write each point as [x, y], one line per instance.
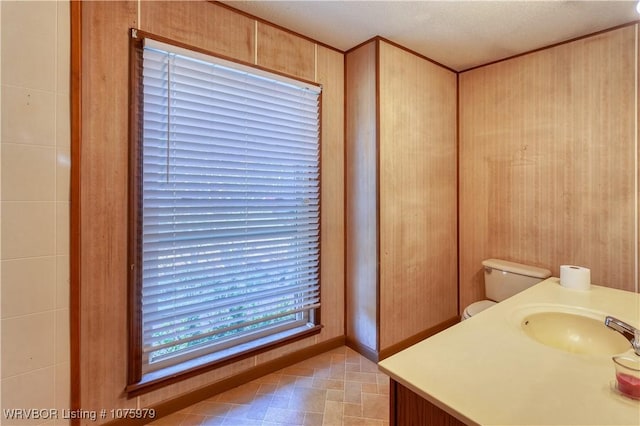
[230, 205]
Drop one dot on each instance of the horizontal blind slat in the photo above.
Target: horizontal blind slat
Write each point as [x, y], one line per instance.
[240, 272]
[183, 309]
[266, 265]
[211, 286]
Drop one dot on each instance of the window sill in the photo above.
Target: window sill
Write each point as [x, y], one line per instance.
[169, 375]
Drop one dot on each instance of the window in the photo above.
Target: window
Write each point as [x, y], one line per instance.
[225, 209]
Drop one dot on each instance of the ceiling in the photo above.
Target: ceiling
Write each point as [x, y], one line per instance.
[458, 34]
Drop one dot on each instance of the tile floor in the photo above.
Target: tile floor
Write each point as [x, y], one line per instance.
[336, 388]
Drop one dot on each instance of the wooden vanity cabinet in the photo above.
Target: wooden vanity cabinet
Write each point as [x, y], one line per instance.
[408, 408]
[401, 198]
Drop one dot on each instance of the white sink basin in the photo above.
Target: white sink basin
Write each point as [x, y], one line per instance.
[573, 332]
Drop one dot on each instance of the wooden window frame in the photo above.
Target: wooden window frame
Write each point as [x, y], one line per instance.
[138, 382]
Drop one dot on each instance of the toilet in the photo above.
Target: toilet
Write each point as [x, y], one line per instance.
[503, 279]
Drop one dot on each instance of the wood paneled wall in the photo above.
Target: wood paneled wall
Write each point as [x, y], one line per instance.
[548, 168]
[362, 196]
[418, 201]
[103, 197]
[401, 196]
[104, 165]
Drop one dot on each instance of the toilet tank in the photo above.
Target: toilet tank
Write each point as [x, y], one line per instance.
[503, 279]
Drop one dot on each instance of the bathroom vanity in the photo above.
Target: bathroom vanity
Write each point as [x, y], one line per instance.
[493, 369]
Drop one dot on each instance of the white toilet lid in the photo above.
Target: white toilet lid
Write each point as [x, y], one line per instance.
[478, 307]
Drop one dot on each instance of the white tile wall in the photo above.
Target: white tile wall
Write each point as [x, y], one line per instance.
[28, 115]
[34, 206]
[29, 41]
[32, 290]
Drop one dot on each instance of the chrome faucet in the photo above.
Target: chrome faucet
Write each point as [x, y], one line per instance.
[629, 332]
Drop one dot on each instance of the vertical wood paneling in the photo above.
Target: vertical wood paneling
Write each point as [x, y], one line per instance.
[203, 24]
[637, 145]
[401, 196]
[330, 73]
[281, 51]
[361, 196]
[547, 161]
[409, 408]
[418, 226]
[103, 195]
[104, 163]
[200, 381]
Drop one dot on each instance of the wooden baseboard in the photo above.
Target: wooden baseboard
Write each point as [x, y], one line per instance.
[376, 356]
[395, 348]
[364, 350]
[168, 407]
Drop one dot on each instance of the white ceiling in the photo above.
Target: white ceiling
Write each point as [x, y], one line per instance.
[458, 34]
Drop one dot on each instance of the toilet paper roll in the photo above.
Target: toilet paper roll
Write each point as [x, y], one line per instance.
[575, 277]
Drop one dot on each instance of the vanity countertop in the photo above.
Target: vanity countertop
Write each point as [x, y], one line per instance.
[486, 371]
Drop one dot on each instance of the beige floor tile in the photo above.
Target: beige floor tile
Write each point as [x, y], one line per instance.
[352, 357]
[192, 420]
[369, 388]
[170, 420]
[295, 370]
[284, 416]
[337, 388]
[352, 410]
[367, 366]
[318, 361]
[280, 401]
[322, 372]
[375, 406]
[313, 419]
[209, 408]
[338, 358]
[309, 400]
[241, 395]
[359, 421]
[285, 390]
[354, 376]
[273, 378]
[333, 414]
[338, 368]
[244, 422]
[287, 379]
[352, 367]
[267, 388]
[213, 421]
[305, 382]
[353, 392]
[328, 384]
[383, 388]
[238, 412]
[335, 395]
[256, 410]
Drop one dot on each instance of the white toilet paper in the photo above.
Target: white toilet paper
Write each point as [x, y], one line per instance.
[575, 277]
